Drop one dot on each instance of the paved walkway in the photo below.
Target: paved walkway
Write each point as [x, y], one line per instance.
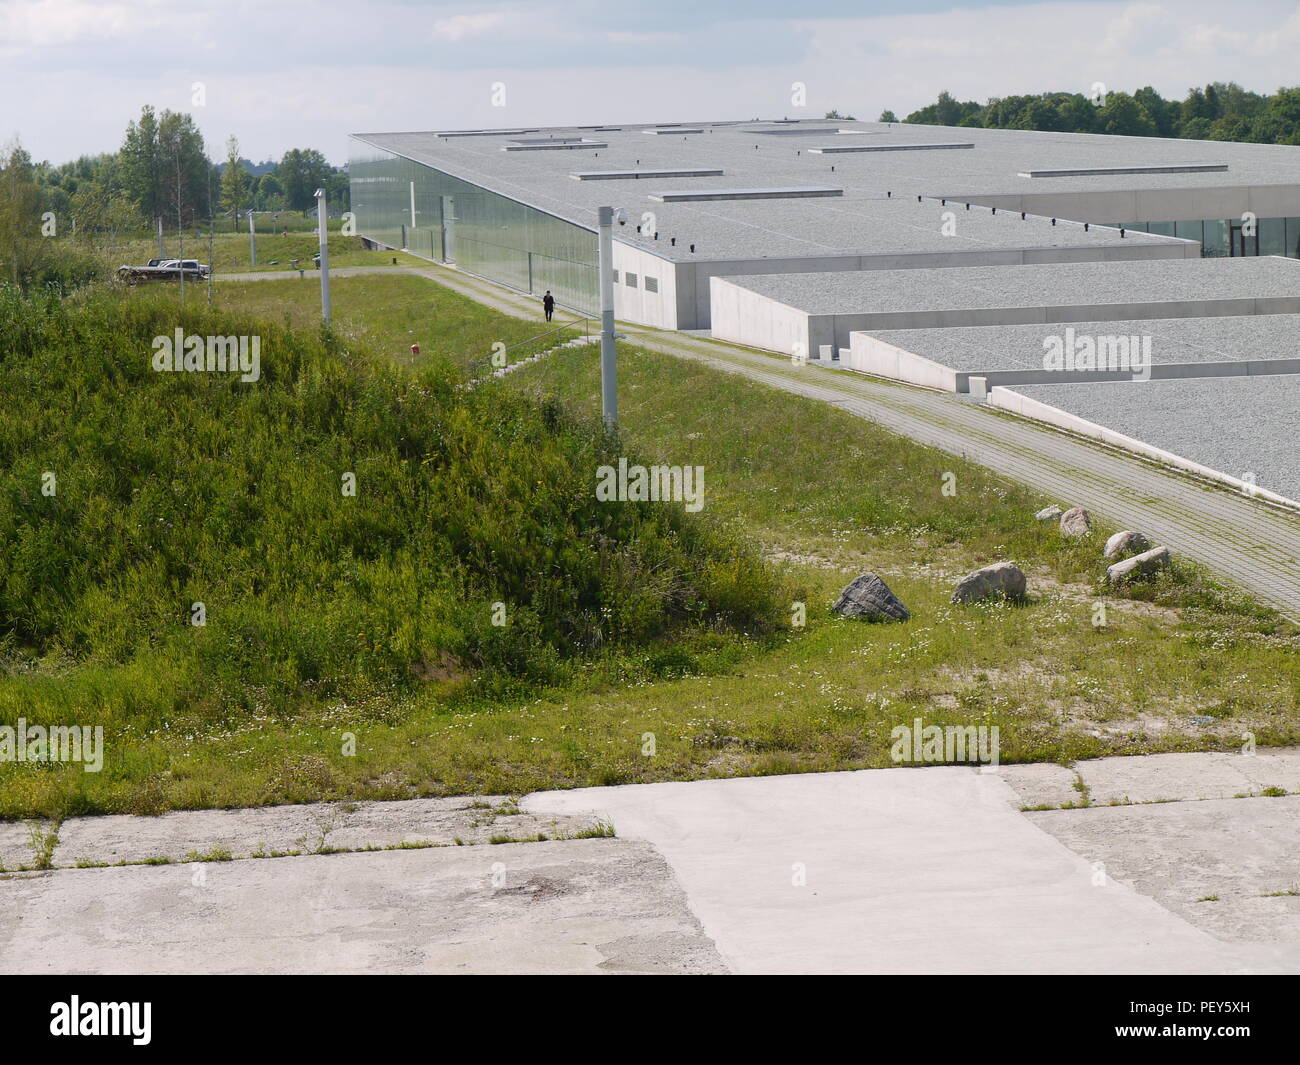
[939, 871]
[895, 870]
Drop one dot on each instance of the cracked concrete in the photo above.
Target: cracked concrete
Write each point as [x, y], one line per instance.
[940, 869]
[576, 906]
[308, 829]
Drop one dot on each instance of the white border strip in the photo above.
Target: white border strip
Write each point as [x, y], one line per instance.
[1005, 398]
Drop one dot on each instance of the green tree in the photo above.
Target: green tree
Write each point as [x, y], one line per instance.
[142, 163]
[1164, 113]
[834, 115]
[1123, 116]
[887, 116]
[235, 186]
[301, 172]
[185, 171]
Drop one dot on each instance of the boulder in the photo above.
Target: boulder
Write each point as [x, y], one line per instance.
[1143, 565]
[1127, 542]
[1076, 522]
[1048, 513]
[869, 597]
[1000, 579]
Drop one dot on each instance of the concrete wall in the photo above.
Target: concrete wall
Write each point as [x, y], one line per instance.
[694, 279]
[742, 316]
[637, 304]
[869, 355]
[1149, 205]
[843, 324]
[1006, 399]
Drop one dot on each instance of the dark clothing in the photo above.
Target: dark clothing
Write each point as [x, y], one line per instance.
[548, 305]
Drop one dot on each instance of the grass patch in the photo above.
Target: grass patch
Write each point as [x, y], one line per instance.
[821, 494]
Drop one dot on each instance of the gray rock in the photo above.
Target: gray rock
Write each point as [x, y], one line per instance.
[869, 597]
[1142, 565]
[1076, 522]
[1048, 513]
[1000, 579]
[1127, 542]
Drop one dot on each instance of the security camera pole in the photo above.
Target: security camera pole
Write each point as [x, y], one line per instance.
[608, 364]
[323, 230]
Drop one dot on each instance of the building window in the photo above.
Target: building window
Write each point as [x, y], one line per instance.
[630, 279]
[1215, 243]
[652, 284]
[1272, 236]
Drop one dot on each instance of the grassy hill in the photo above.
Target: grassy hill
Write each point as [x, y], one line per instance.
[174, 489]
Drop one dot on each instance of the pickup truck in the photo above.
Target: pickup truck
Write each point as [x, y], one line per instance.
[164, 270]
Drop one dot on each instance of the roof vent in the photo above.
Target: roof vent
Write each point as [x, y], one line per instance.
[694, 195]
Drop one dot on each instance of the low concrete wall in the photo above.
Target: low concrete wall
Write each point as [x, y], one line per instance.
[1006, 399]
[949, 318]
[869, 355]
[742, 316]
[695, 277]
[1159, 372]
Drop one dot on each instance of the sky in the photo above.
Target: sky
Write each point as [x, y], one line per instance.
[297, 74]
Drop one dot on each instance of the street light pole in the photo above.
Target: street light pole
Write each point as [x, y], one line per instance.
[252, 240]
[323, 230]
[608, 355]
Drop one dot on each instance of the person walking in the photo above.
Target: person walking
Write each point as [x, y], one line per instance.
[548, 304]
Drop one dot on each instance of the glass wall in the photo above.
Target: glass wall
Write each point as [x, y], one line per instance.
[482, 232]
[1223, 236]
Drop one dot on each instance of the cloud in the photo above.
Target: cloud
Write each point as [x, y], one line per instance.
[459, 27]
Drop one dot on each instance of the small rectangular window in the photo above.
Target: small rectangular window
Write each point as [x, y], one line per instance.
[652, 284]
[630, 279]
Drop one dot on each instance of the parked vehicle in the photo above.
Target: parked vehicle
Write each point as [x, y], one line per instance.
[164, 270]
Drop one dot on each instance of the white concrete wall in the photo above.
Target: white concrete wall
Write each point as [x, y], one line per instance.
[658, 309]
[869, 355]
[1007, 399]
[695, 277]
[742, 316]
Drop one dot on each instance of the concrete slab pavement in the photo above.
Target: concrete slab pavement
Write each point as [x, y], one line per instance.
[900, 871]
[911, 870]
[314, 828]
[1228, 866]
[578, 906]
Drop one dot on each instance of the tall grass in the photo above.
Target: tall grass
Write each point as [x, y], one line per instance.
[171, 489]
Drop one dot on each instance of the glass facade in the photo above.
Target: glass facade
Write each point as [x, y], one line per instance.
[1222, 237]
[480, 231]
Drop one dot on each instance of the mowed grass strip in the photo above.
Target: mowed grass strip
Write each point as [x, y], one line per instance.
[386, 315]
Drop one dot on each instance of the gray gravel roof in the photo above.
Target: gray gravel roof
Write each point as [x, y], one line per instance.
[1039, 285]
[864, 220]
[1174, 340]
[1236, 425]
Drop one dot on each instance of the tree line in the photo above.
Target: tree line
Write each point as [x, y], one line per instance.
[162, 171]
[1221, 111]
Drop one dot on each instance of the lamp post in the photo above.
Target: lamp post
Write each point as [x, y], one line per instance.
[608, 355]
[252, 240]
[323, 230]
